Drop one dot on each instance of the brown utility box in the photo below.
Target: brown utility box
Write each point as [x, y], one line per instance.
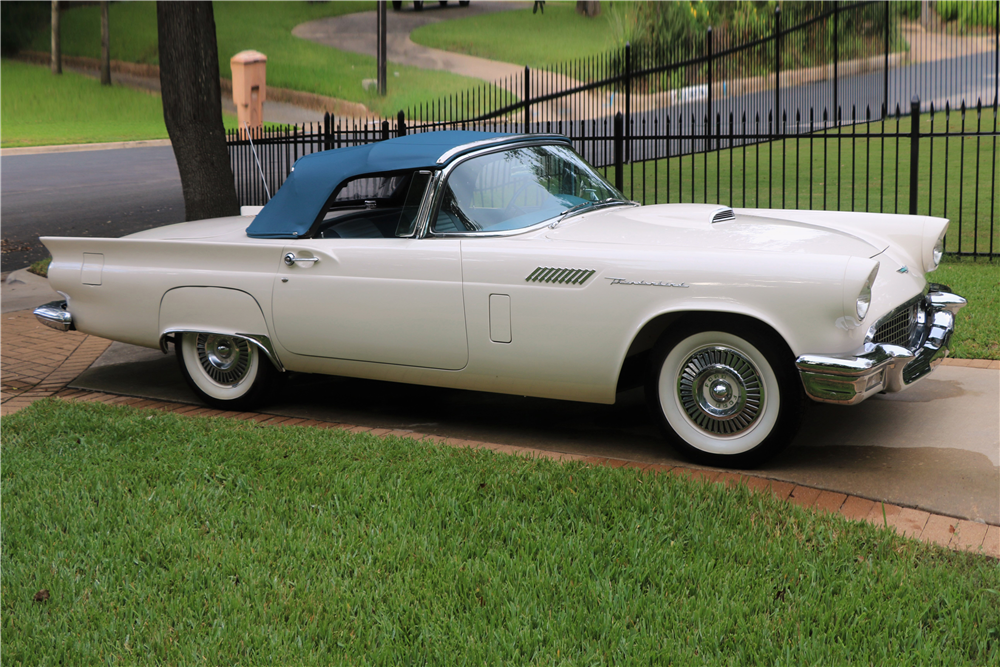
[249, 88]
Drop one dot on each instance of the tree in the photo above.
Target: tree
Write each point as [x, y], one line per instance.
[192, 107]
[56, 42]
[589, 8]
[105, 46]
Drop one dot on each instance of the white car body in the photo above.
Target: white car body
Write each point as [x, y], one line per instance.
[554, 310]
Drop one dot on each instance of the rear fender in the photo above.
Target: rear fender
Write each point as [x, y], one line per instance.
[215, 310]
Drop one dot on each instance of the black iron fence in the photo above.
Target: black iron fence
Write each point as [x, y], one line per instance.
[817, 115]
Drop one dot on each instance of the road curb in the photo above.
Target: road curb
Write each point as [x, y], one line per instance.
[74, 148]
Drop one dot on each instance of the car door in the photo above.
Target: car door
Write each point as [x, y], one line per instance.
[382, 300]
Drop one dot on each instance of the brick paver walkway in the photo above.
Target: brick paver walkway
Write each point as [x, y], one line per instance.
[36, 362]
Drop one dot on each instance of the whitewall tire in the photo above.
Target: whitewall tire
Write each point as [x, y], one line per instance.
[227, 372]
[726, 393]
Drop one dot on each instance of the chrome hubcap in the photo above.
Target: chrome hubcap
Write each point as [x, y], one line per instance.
[225, 359]
[721, 390]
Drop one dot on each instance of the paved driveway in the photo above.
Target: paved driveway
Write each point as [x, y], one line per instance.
[935, 447]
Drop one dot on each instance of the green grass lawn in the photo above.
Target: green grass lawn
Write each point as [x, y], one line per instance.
[167, 540]
[977, 326]
[266, 27]
[520, 37]
[40, 109]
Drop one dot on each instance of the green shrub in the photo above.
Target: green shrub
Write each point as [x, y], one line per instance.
[19, 21]
[968, 14]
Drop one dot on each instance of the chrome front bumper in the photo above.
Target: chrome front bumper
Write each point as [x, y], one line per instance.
[881, 367]
[55, 315]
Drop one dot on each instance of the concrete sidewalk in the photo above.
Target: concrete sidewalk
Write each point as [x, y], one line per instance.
[38, 362]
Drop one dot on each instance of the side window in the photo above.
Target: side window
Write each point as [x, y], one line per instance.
[375, 206]
[411, 206]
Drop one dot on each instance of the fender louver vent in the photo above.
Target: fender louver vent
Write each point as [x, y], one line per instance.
[723, 214]
[545, 274]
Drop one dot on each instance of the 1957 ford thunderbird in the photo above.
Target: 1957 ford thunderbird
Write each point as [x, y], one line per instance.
[505, 263]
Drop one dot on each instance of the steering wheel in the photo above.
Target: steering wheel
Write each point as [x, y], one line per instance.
[511, 207]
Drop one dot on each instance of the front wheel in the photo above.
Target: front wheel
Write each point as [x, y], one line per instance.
[227, 372]
[726, 395]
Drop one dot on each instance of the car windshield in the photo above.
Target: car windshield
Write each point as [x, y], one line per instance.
[518, 188]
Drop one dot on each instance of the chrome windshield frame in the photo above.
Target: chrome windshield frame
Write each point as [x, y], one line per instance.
[423, 226]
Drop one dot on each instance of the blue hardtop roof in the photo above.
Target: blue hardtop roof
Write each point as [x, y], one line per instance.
[298, 203]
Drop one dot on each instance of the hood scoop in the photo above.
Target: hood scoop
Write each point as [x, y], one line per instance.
[723, 214]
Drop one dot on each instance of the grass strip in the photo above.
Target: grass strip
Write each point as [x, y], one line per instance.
[977, 326]
[40, 109]
[292, 63]
[169, 540]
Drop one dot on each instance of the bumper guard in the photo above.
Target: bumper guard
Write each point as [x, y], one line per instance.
[55, 315]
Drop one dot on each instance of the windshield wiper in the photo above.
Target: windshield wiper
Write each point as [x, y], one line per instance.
[587, 205]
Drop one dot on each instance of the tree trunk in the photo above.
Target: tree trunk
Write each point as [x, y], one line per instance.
[56, 43]
[105, 46]
[192, 107]
[589, 8]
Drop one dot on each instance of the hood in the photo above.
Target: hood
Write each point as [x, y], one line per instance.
[197, 229]
[692, 226]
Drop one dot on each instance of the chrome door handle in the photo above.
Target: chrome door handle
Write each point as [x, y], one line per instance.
[290, 259]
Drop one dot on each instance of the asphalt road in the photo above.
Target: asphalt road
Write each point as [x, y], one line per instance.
[103, 193]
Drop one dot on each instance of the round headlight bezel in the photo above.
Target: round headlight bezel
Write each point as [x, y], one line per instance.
[937, 254]
[864, 301]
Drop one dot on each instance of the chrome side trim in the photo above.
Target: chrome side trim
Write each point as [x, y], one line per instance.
[850, 379]
[55, 315]
[259, 340]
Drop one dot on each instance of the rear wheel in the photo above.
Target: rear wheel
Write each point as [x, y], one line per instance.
[227, 372]
[725, 392]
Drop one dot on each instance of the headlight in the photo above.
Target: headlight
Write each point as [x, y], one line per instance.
[937, 253]
[865, 297]
[932, 248]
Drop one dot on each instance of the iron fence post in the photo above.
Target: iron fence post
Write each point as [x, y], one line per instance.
[401, 124]
[777, 66]
[619, 141]
[385, 130]
[327, 132]
[527, 99]
[836, 62]
[708, 46]
[914, 150]
[885, 81]
[628, 102]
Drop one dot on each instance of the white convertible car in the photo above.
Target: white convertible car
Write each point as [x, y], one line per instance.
[507, 264]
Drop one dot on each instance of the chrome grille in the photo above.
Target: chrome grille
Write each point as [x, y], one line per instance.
[897, 327]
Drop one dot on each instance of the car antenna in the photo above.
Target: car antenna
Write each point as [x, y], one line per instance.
[254, 151]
